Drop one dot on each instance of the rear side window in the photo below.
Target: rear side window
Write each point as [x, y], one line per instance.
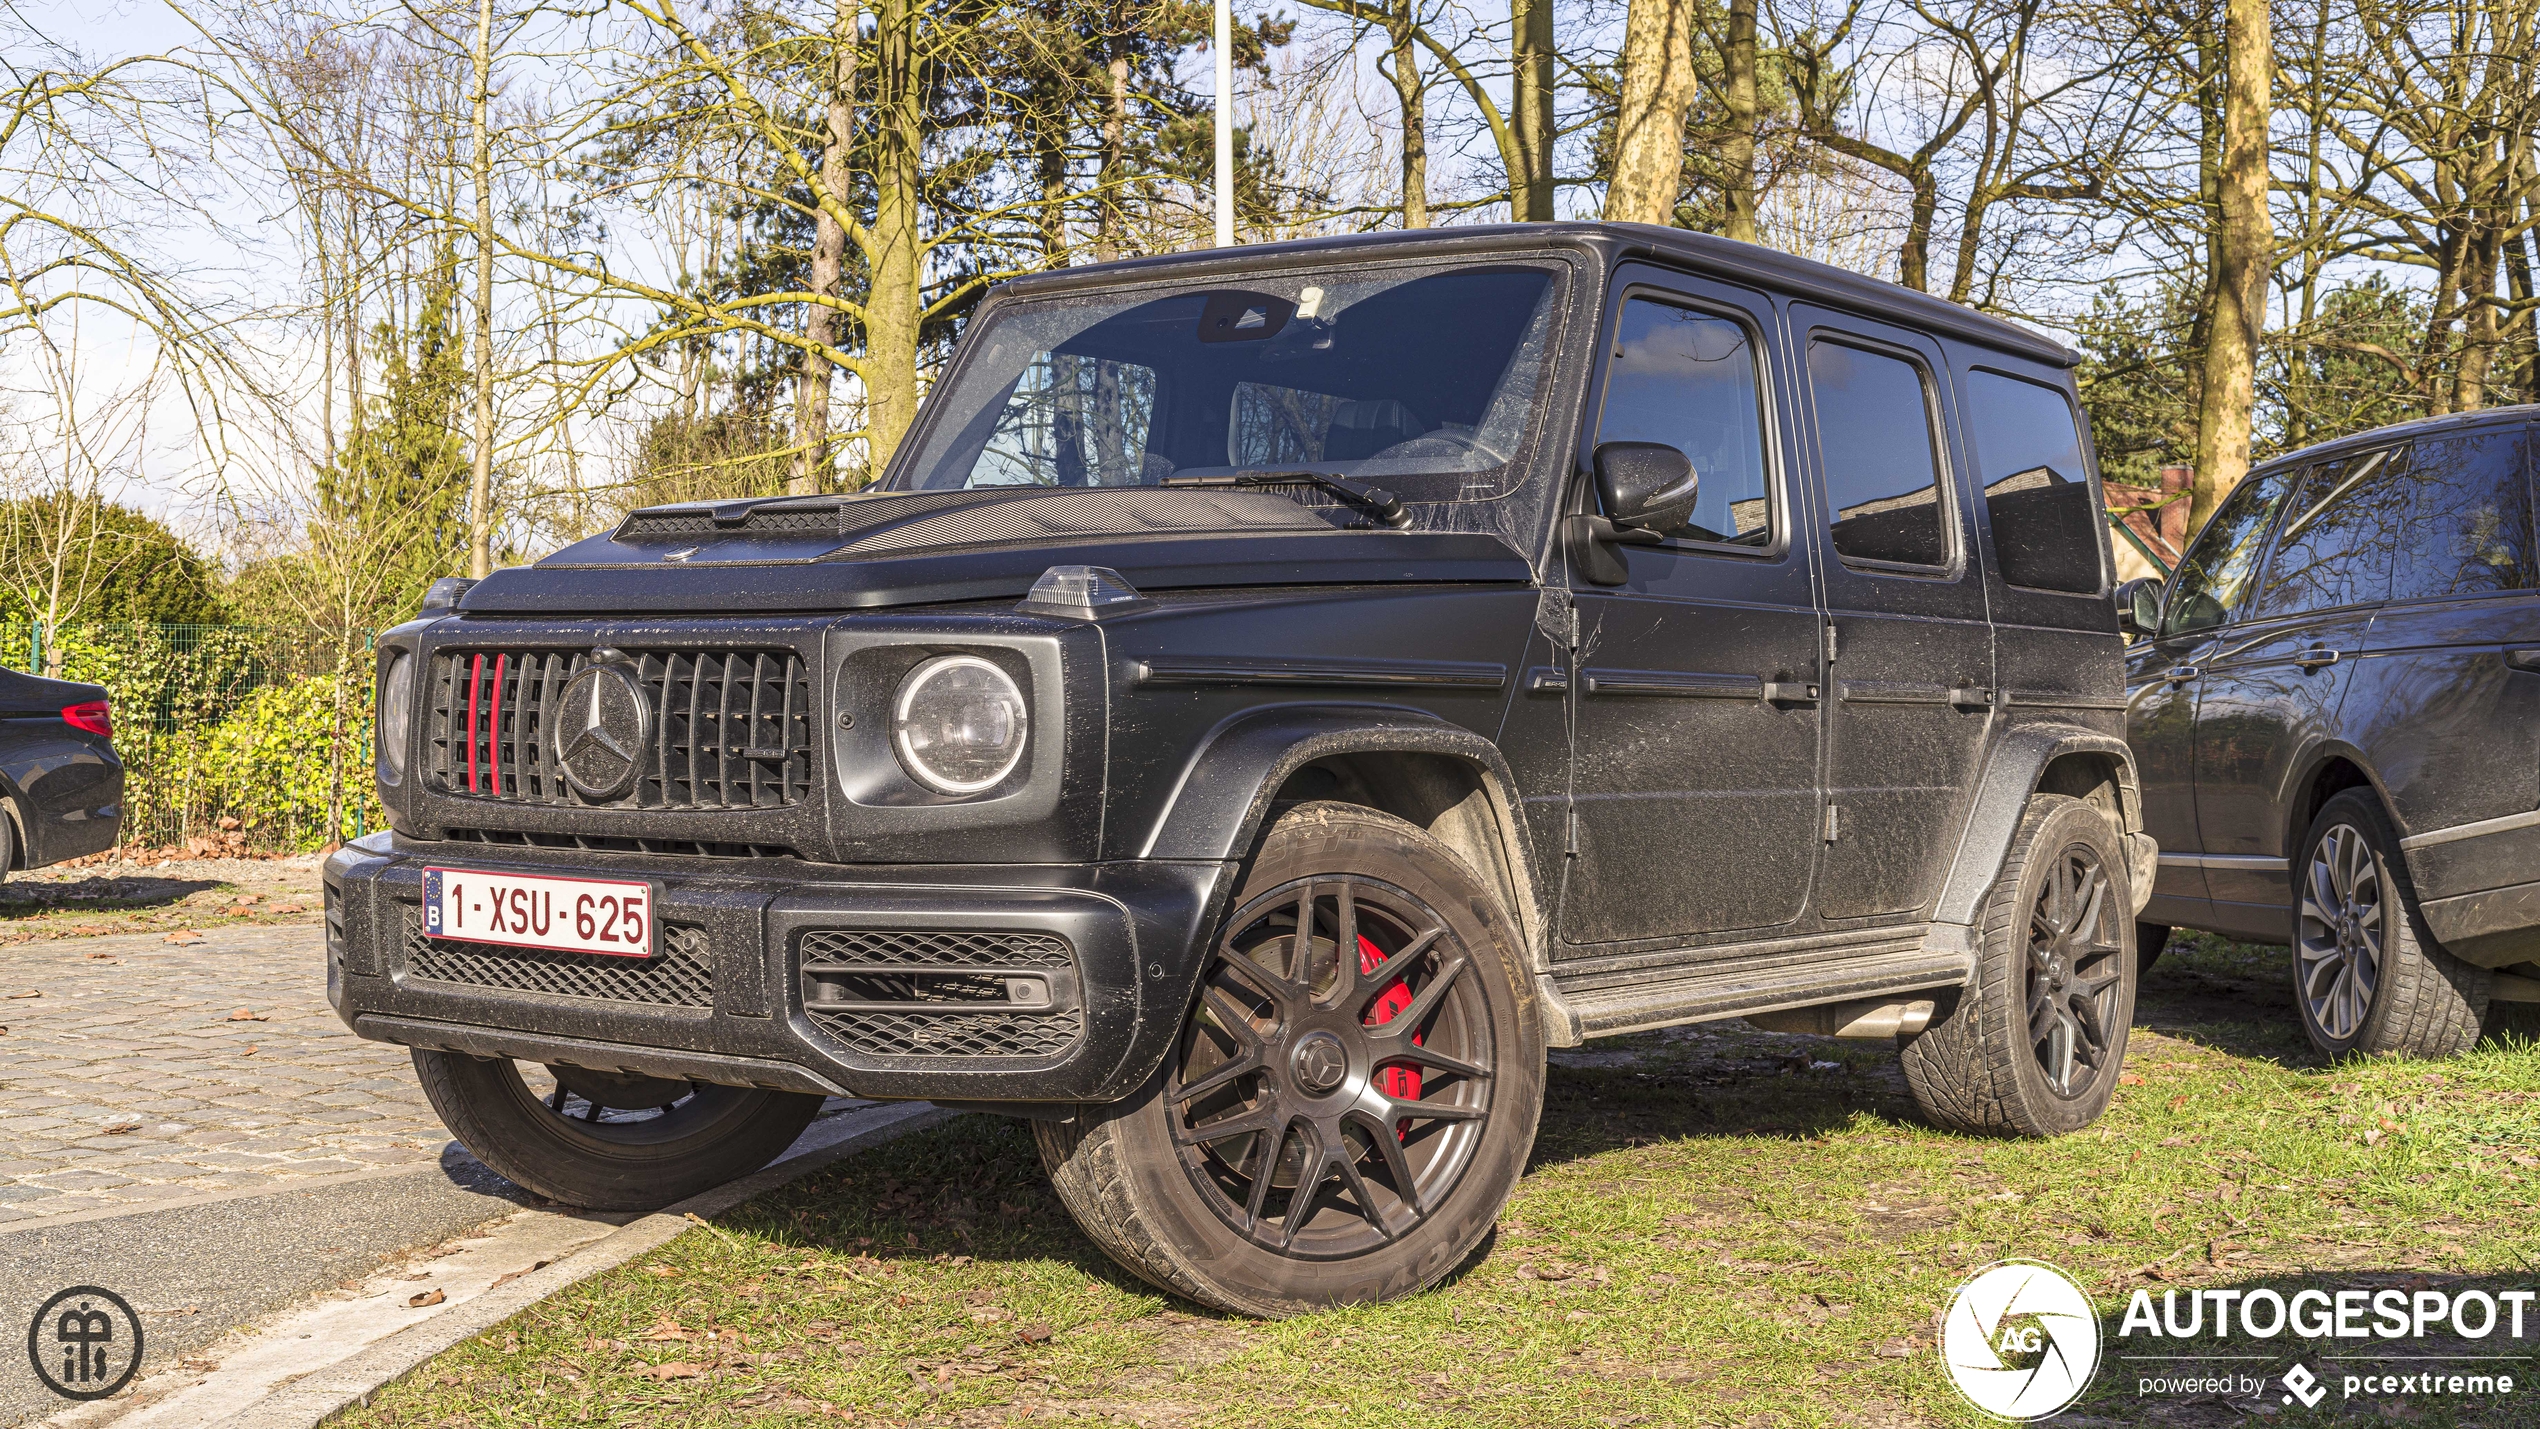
[2469, 530]
[2220, 569]
[1882, 461]
[1688, 379]
[2339, 535]
[2036, 491]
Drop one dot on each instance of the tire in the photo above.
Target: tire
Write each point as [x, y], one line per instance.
[1162, 1184]
[2149, 940]
[2034, 1045]
[2367, 976]
[665, 1142]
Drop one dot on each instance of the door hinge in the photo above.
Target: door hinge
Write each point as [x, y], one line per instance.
[1834, 822]
[1831, 642]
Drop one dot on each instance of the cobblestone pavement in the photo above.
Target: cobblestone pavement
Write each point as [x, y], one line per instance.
[129, 1077]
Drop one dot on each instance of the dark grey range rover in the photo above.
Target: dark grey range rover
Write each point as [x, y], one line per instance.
[1272, 697]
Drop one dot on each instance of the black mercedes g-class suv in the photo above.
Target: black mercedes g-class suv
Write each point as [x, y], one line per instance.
[2336, 702]
[1271, 697]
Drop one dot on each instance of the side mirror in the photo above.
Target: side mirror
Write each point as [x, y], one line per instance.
[1646, 486]
[2139, 606]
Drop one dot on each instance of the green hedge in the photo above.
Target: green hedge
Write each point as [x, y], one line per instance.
[231, 735]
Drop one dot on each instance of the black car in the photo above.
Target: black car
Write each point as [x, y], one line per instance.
[1273, 696]
[61, 786]
[2336, 704]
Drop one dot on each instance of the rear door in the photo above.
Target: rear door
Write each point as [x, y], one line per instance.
[1910, 685]
[2272, 685]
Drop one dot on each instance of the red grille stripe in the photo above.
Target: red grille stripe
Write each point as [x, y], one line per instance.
[475, 676]
[494, 727]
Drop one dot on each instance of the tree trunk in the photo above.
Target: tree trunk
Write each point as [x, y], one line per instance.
[2479, 329]
[480, 501]
[2244, 256]
[1913, 256]
[1530, 54]
[828, 261]
[894, 309]
[2519, 287]
[1407, 86]
[1649, 128]
[1115, 139]
[1737, 151]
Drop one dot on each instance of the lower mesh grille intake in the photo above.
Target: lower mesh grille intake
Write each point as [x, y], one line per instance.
[903, 993]
[683, 976]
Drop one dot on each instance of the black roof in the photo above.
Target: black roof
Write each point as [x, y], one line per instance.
[2402, 431]
[1819, 282]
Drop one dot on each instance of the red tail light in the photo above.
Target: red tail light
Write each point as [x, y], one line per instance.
[95, 716]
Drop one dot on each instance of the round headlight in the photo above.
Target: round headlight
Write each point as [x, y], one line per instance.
[396, 717]
[958, 724]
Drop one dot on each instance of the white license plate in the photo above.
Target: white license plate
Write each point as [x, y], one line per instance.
[527, 910]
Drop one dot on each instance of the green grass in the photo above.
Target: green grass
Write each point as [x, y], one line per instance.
[1718, 1228]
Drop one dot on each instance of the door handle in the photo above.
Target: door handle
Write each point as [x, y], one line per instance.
[1968, 697]
[1789, 692]
[2318, 656]
[2181, 674]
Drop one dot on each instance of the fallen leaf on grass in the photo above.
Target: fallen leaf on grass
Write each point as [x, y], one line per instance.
[184, 937]
[119, 1128]
[664, 1271]
[2128, 1079]
[2178, 1101]
[103, 958]
[198, 1363]
[1033, 1334]
[247, 1014]
[666, 1329]
[288, 908]
[348, 1285]
[675, 1369]
[428, 1297]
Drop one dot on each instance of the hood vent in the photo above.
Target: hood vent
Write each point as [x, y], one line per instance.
[929, 521]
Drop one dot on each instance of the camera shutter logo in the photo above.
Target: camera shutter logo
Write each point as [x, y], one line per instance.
[85, 1343]
[604, 724]
[2020, 1340]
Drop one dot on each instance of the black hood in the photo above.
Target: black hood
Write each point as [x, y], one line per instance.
[842, 553]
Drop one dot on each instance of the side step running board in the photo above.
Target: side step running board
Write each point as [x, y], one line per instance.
[1734, 989]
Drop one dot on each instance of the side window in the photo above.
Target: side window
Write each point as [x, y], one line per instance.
[1882, 463]
[2036, 491]
[2469, 530]
[1688, 379]
[2215, 576]
[2340, 531]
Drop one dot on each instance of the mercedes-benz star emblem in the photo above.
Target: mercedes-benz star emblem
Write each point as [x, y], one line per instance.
[603, 726]
[1320, 1063]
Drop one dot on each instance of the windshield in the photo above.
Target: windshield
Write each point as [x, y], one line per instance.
[1425, 374]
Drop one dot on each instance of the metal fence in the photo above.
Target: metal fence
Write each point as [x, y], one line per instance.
[234, 737]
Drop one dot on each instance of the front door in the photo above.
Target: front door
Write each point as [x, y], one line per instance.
[2273, 683]
[1911, 681]
[1695, 763]
[2214, 582]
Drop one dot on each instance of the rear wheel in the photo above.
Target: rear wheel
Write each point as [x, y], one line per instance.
[1353, 1094]
[607, 1140]
[2034, 1045]
[2367, 977]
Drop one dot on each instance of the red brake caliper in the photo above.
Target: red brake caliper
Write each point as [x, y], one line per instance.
[1400, 1083]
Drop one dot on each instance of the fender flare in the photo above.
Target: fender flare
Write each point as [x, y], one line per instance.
[2012, 769]
[1219, 804]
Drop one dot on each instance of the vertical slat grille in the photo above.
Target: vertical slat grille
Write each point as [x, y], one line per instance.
[731, 728]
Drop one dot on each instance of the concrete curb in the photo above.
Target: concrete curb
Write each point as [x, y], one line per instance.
[355, 1382]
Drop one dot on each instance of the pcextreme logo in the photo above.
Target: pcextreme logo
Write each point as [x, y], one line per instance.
[2020, 1339]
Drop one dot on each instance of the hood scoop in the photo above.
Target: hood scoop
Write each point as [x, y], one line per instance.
[800, 529]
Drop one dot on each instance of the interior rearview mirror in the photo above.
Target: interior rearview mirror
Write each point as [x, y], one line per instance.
[2139, 606]
[1645, 485]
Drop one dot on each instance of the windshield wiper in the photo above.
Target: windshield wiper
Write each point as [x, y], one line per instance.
[1374, 502]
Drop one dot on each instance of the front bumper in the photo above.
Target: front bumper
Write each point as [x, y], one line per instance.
[1098, 958]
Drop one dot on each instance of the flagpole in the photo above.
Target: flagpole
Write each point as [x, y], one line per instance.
[1225, 123]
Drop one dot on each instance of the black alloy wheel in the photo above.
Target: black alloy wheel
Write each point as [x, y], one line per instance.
[1335, 1078]
[2074, 953]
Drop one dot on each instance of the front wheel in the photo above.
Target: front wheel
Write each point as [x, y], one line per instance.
[2367, 977]
[1353, 1094]
[608, 1141]
[2034, 1044]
